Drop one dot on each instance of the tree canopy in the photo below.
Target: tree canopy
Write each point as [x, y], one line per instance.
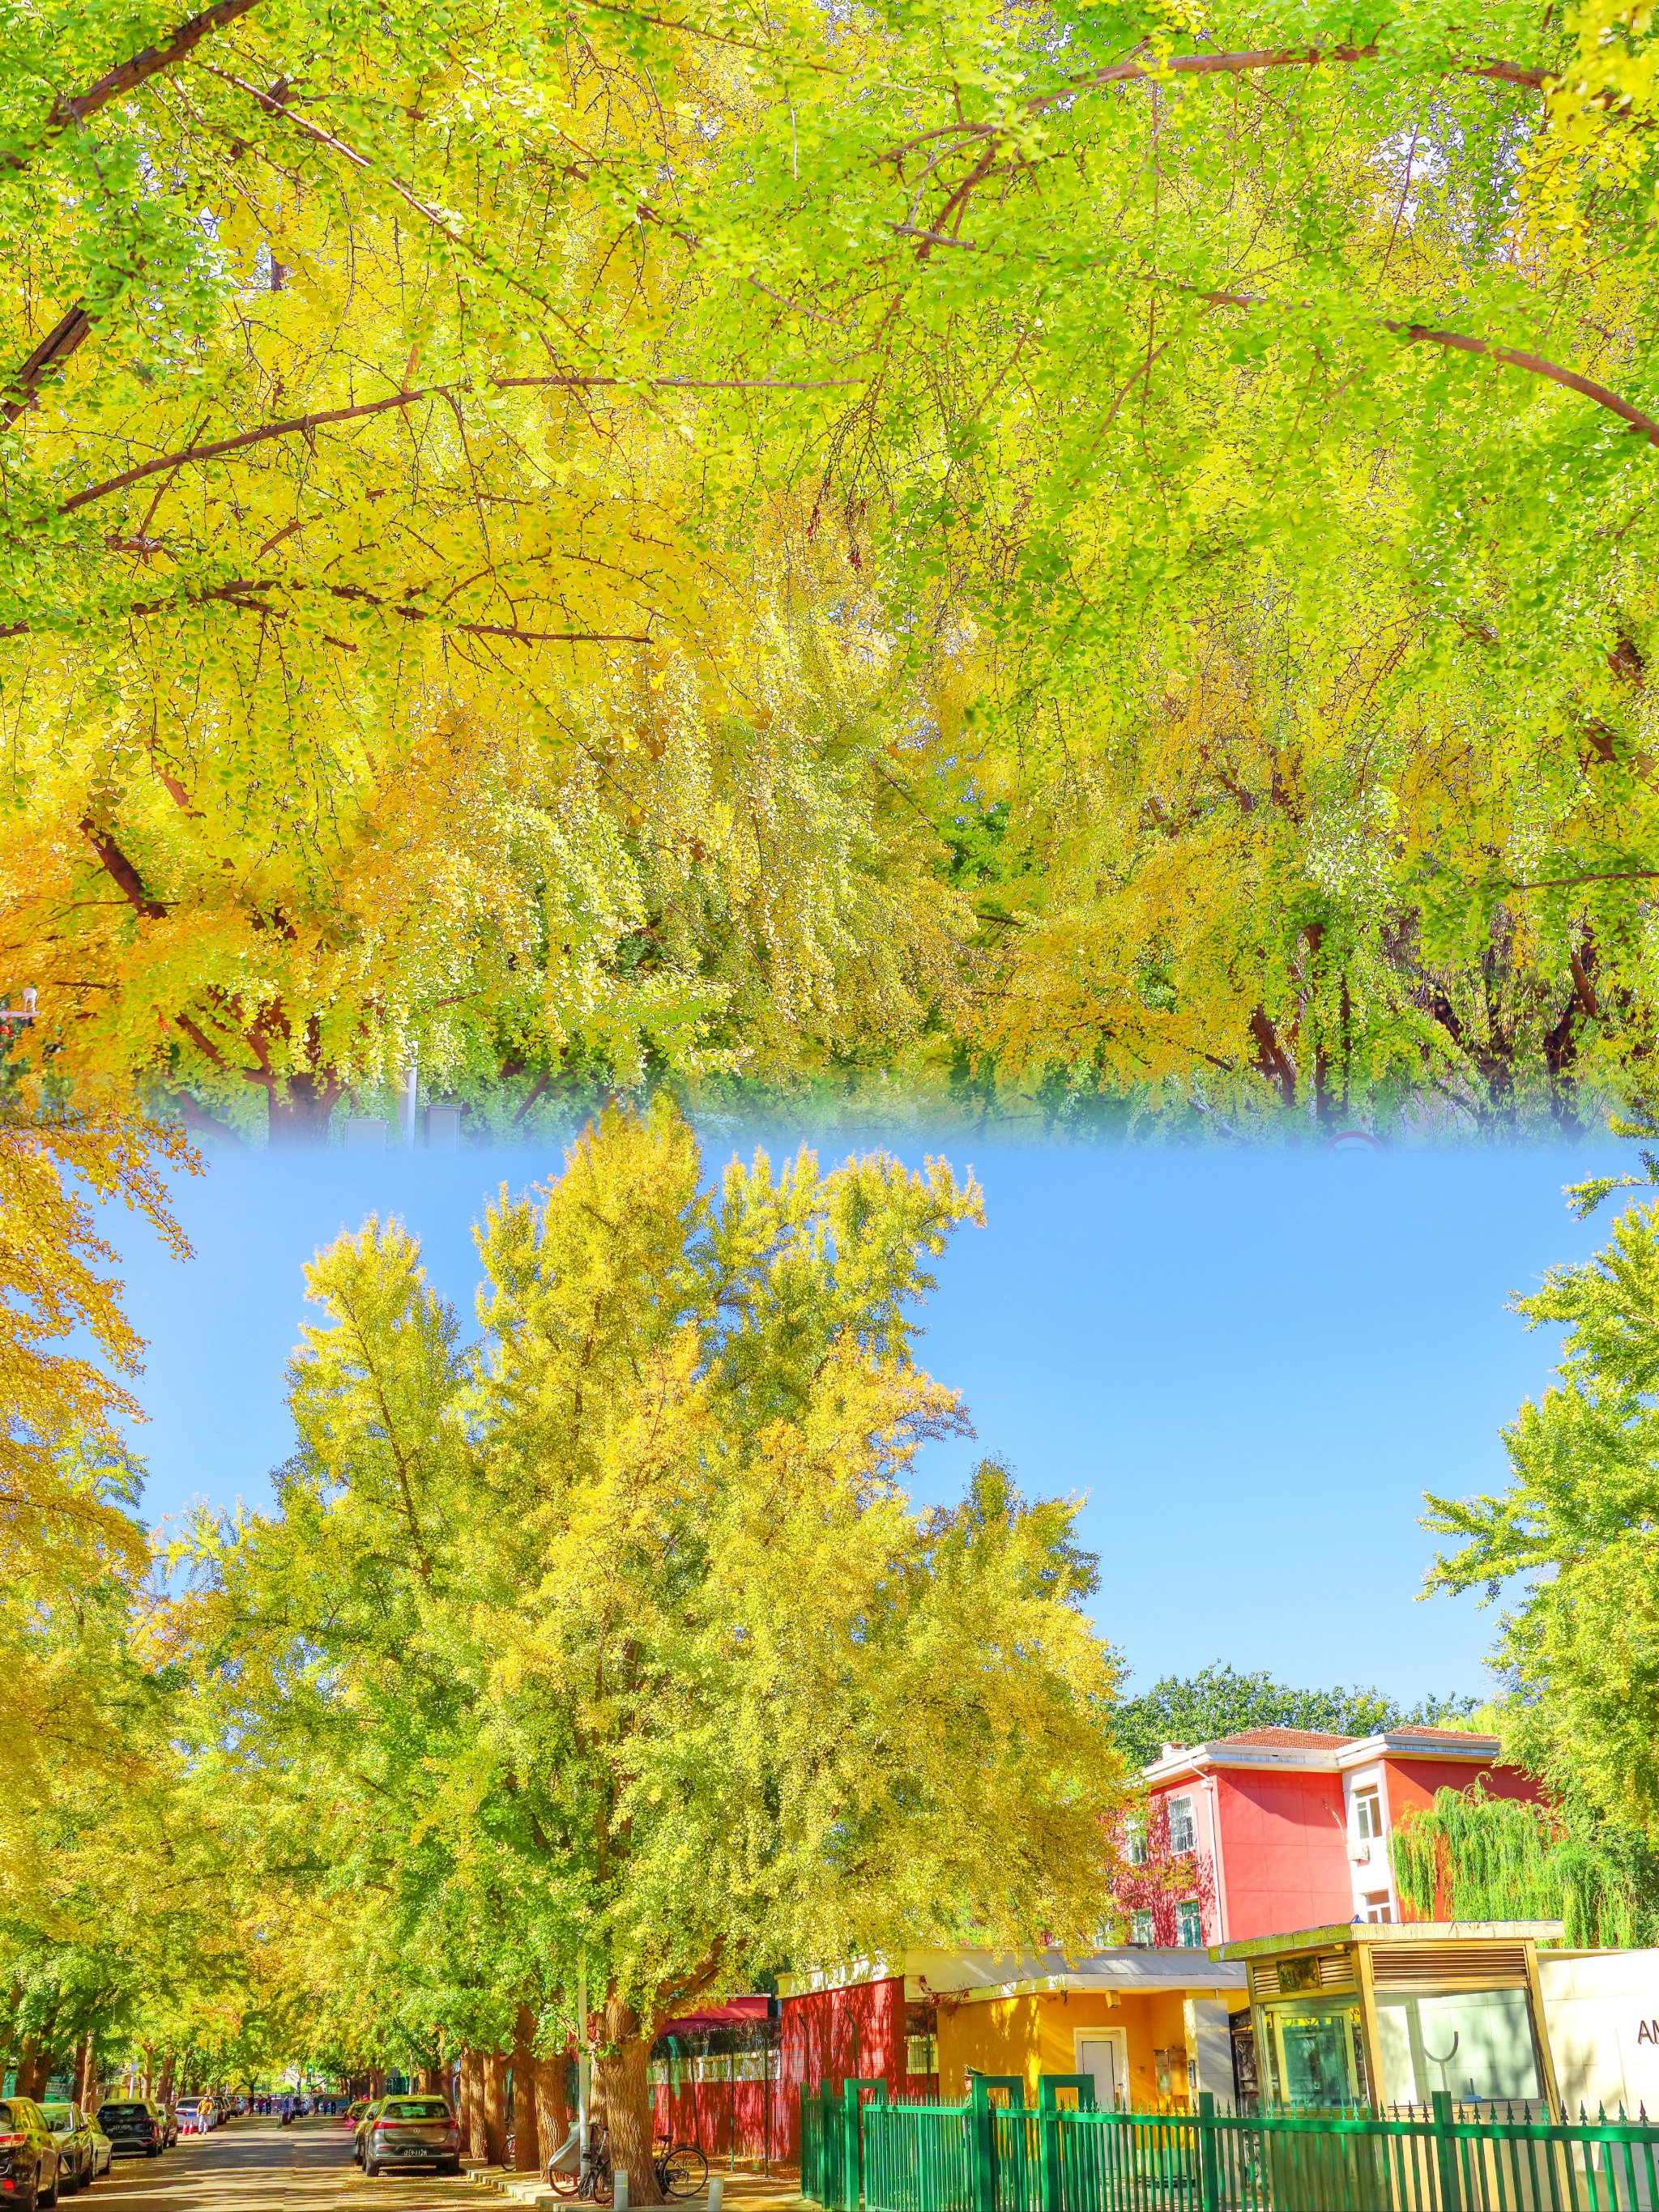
[1220, 1700]
[1088, 555]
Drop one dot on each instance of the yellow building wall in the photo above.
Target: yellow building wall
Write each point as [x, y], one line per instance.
[1034, 2035]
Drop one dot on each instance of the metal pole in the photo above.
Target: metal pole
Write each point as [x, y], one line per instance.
[412, 1095]
[581, 2053]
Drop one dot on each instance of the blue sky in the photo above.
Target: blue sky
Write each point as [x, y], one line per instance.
[1252, 1361]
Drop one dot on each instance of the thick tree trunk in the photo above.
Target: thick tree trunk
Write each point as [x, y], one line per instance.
[552, 2112]
[472, 2127]
[431, 2081]
[495, 2103]
[86, 2073]
[623, 2081]
[33, 2065]
[301, 1109]
[526, 2135]
[164, 2087]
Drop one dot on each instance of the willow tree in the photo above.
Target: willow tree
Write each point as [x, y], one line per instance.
[620, 1620]
[1471, 1856]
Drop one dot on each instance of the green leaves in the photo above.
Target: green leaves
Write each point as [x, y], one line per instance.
[1578, 1525]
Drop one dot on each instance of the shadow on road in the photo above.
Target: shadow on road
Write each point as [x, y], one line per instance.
[253, 2164]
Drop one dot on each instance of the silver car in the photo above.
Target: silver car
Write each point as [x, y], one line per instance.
[411, 2130]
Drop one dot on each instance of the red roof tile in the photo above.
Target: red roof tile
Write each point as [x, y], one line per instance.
[1289, 1739]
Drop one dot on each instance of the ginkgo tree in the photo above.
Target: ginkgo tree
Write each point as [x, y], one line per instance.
[422, 419]
[620, 1623]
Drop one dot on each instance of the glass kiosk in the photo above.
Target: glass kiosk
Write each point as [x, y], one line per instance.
[1377, 2014]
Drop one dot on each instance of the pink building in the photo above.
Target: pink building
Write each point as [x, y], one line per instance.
[1276, 1829]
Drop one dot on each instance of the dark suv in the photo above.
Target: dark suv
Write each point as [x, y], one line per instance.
[29, 2159]
[139, 2124]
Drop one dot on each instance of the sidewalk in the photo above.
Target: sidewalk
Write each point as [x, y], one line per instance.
[745, 2191]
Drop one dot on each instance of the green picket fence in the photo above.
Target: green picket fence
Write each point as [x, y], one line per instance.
[859, 2150]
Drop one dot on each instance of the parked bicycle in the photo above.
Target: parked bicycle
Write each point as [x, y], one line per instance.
[681, 2169]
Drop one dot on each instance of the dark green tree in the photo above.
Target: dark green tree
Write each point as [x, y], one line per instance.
[1218, 1700]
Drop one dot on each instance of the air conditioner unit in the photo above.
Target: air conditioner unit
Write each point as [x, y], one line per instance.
[1360, 1854]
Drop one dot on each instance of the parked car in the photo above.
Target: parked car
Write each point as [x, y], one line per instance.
[76, 2153]
[103, 2149]
[408, 2131]
[365, 2120]
[29, 2161]
[355, 2111]
[136, 2123]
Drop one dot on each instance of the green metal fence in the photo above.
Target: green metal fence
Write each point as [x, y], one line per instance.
[993, 2154]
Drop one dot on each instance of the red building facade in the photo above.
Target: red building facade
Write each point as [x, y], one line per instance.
[1273, 1830]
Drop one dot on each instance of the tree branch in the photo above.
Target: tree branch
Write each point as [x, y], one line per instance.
[1234, 64]
[128, 76]
[1532, 364]
[1535, 365]
[203, 1044]
[202, 1124]
[304, 425]
[244, 592]
[122, 871]
[66, 337]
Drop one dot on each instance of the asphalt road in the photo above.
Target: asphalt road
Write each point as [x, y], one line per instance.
[254, 2165]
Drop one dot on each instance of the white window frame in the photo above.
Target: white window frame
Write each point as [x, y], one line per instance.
[1184, 1851]
[1371, 1855]
[1135, 1919]
[1134, 1839]
[1190, 1904]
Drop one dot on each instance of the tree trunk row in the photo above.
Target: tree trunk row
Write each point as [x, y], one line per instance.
[537, 2114]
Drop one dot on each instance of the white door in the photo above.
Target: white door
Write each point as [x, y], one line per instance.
[1105, 2058]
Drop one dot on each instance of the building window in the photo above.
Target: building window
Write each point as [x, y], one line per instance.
[1140, 1928]
[1134, 1839]
[921, 2043]
[1183, 1834]
[1377, 1905]
[1189, 1925]
[1368, 1812]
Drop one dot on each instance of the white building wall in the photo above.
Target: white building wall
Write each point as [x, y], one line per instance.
[1601, 2014]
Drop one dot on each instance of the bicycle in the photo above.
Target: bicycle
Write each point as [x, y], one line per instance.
[681, 2170]
[590, 2177]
